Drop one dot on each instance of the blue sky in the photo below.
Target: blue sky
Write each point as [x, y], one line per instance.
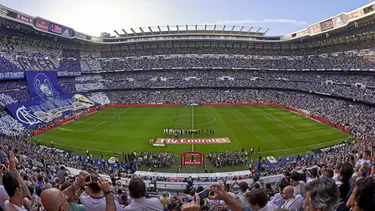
[95, 16]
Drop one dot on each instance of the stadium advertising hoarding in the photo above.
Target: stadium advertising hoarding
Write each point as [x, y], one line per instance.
[43, 84]
[326, 25]
[339, 20]
[62, 30]
[316, 28]
[225, 140]
[82, 36]
[369, 9]
[25, 18]
[15, 15]
[356, 14]
[33, 113]
[42, 24]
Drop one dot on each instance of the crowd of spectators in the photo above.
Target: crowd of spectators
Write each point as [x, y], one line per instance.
[333, 183]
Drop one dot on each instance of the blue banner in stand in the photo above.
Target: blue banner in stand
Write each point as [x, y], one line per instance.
[35, 112]
[43, 84]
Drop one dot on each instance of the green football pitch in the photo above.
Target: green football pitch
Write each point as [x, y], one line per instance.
[278, 132]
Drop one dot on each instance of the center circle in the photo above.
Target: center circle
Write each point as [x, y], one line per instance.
[199, 120]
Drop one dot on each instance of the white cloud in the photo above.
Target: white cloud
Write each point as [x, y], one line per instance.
[279, 20]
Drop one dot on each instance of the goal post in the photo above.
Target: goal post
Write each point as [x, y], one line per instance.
[192, 159]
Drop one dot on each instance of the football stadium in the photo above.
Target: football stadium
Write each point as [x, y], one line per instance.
[188, 117]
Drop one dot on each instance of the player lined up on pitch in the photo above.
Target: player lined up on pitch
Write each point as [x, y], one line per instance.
[187, 132]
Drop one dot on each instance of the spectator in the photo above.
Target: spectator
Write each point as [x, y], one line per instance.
[94, 198]
[257, 199]
[241, 196]
[137, 190]
[277, 200]
[299, 186]
[322, 194]
[362, 196]
[291, 202]
[346, 172]
[15, 191]
[164, 199]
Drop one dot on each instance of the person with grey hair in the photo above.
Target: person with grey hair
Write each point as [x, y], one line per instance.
[322, 194]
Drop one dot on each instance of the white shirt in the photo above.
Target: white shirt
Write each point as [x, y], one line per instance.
[294, 203]
[241, 196]
[96, 203]
[300, 189]
[277, 200]
[9, 206]
[143, 204]
[3, 196]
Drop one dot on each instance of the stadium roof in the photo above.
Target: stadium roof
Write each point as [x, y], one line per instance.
[190, 32]
[192, 29]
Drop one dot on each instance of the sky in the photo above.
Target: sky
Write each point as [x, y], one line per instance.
[95, 16]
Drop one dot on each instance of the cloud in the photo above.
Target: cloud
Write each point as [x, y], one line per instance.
[279, 20]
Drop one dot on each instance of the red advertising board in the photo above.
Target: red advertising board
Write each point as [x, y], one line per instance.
[24, 18]
[80, 35]
[42, 24]
[192, 159]
[225, 140]
[55, 28]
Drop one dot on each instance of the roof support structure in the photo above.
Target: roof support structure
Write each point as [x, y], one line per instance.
[160, 30]
[223, 29]
[135, 33]
[241, 30]
[205, 27]
[266, 31]
[151, 30]
[232, 29]
[168, 29]
[258, 30]
[140, 28]
[248, 32]
[196, 27]
[125, 32]
[214, 29]
[117, 33]
[178, 30]
[187, 28]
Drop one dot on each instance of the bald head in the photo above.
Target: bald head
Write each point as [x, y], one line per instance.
[53, 199]
[288, 192]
